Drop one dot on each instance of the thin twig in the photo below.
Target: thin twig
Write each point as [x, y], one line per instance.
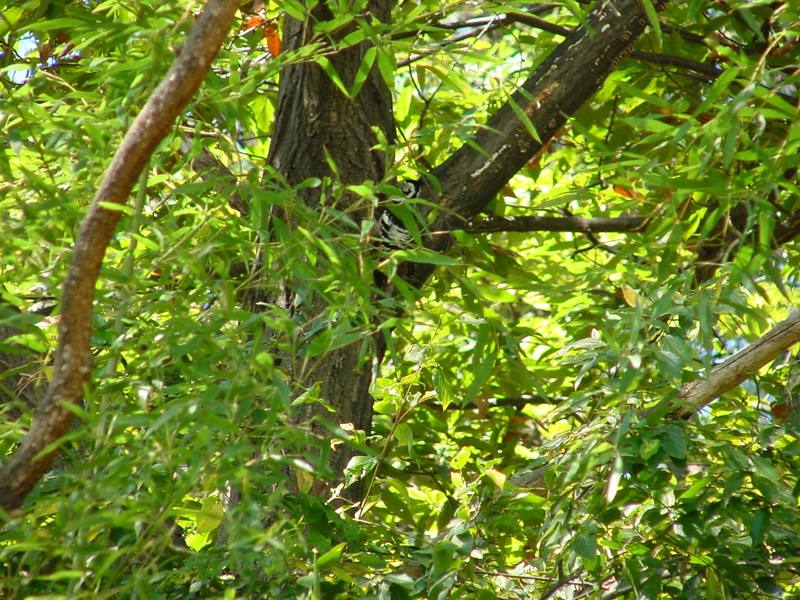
[483, 24]
[624, 224]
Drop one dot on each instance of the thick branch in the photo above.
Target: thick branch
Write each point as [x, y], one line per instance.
[555, 91]
[72, 362]
[626, 224]
[740, 366]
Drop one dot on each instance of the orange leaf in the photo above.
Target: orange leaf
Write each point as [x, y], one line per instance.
[253, 21]
[627, 193]
[273, 39]
[507, 190]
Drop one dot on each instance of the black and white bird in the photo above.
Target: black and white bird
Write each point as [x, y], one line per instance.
[393, 231]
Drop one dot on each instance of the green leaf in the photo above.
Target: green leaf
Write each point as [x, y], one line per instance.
[524, 119]
[444, 555]
[496, 477]
[387, 65]
[759, 524]
[443, 388]
[61, 575]
[614, 478]
[405, 435]
[720, 86]
[363, 71]
[765, 469]
[425, 256]
[695, 489]
[585, 543]
[331, 556]
[694, 8]
[649, 448]
[295, 9]
[117, 207]
[327, 66]
[210, 517]
[674, 441]
[652, 19]
[51, 24]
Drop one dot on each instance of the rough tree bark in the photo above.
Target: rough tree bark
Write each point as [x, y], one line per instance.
[734, 370]
[315, 122]
[469, 179]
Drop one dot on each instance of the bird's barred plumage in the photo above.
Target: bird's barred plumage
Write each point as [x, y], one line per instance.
[392, 230]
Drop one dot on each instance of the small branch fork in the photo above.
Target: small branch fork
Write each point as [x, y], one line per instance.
[72, 358]
[480, 25]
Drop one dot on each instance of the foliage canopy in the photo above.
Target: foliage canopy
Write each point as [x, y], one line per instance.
[523, 442]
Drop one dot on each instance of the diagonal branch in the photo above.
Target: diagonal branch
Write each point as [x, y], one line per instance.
[534, 113]
[740, 366]
[72, 358]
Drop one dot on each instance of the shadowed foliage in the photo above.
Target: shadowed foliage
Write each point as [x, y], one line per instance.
[577, 378]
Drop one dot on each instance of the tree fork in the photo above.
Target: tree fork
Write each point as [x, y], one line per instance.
[573, 72]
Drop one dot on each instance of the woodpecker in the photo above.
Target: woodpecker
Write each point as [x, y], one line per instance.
[411, 188]
[393, 232]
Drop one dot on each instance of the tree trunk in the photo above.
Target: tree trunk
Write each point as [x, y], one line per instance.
[316, 122]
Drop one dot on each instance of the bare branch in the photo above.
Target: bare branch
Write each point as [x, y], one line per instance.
[710, 70]
[475, 32]
[481, 25]
[740, 366]
[625, 224]
[72, 358]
